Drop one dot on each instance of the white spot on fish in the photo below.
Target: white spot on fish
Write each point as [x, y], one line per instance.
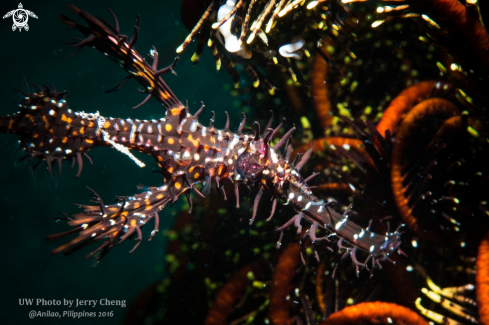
[361, 233]
[193, 126]
[340, 223]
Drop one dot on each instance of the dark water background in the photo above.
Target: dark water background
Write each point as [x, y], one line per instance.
[27, 206]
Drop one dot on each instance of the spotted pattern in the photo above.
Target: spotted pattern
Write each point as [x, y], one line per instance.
[189, 154]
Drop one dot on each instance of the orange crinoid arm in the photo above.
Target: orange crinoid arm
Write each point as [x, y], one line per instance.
[402, 104]
[375, 313]
[320, 92]
[465, 22]
[482, 280]
[431, 110]
[281, 286]
[232, 291]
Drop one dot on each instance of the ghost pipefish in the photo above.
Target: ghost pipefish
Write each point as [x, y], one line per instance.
[187, 152]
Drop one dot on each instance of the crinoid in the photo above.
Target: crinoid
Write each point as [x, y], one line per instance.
[260, 34]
